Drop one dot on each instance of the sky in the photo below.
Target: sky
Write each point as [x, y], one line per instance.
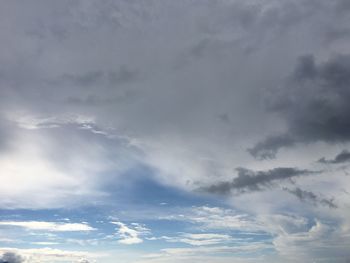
[211, 131]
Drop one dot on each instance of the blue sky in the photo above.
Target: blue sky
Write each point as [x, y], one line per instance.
[211, 131]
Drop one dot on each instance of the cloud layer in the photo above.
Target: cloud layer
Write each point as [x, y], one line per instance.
[234, 115]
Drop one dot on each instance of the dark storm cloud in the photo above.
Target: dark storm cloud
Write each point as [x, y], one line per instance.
[314, 103]
[11, 257]
[342, 157]
[308, 196]
[248, 180]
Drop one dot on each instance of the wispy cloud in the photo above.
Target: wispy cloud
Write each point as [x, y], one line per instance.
[308, 196]
[198, 239]
[218, 218]
[48, 226]
[193, 252]
[130, 235]
[248, 180]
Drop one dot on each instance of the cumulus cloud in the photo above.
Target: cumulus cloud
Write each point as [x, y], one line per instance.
[248, 180]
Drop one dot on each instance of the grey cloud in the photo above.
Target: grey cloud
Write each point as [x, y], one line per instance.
[314, 104]
[11, 257]
[87, 79]
[342, 157]
[79, 57]
[101, 43]
[7, 132]
[267, 149]
[123, 75]
[308, 196]
[342, 6]
[120, 76]
[248, 180]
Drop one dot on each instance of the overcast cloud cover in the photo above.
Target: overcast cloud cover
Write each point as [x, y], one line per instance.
[174, 131]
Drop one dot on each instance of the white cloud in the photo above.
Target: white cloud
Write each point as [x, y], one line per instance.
[206, 253]
[49, 226]
[130, 235]
[202, 239]
[44, 243]
[217, 218]
[38, 171]
[218, 249]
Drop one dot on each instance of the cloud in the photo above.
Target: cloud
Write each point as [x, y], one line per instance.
[174, 86]
[204, 239]
[124, 88]
[219, 249]
[267, 149]
[11, 257]
[47, 255]
[342, 157]
[248, 180]
[97, 78]
[177, 254]
[319, 241]
[49, 226]
[198, 239]
[217, 218]
[129, 235]
[308, 196]
[53, 176]
[314, 104]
